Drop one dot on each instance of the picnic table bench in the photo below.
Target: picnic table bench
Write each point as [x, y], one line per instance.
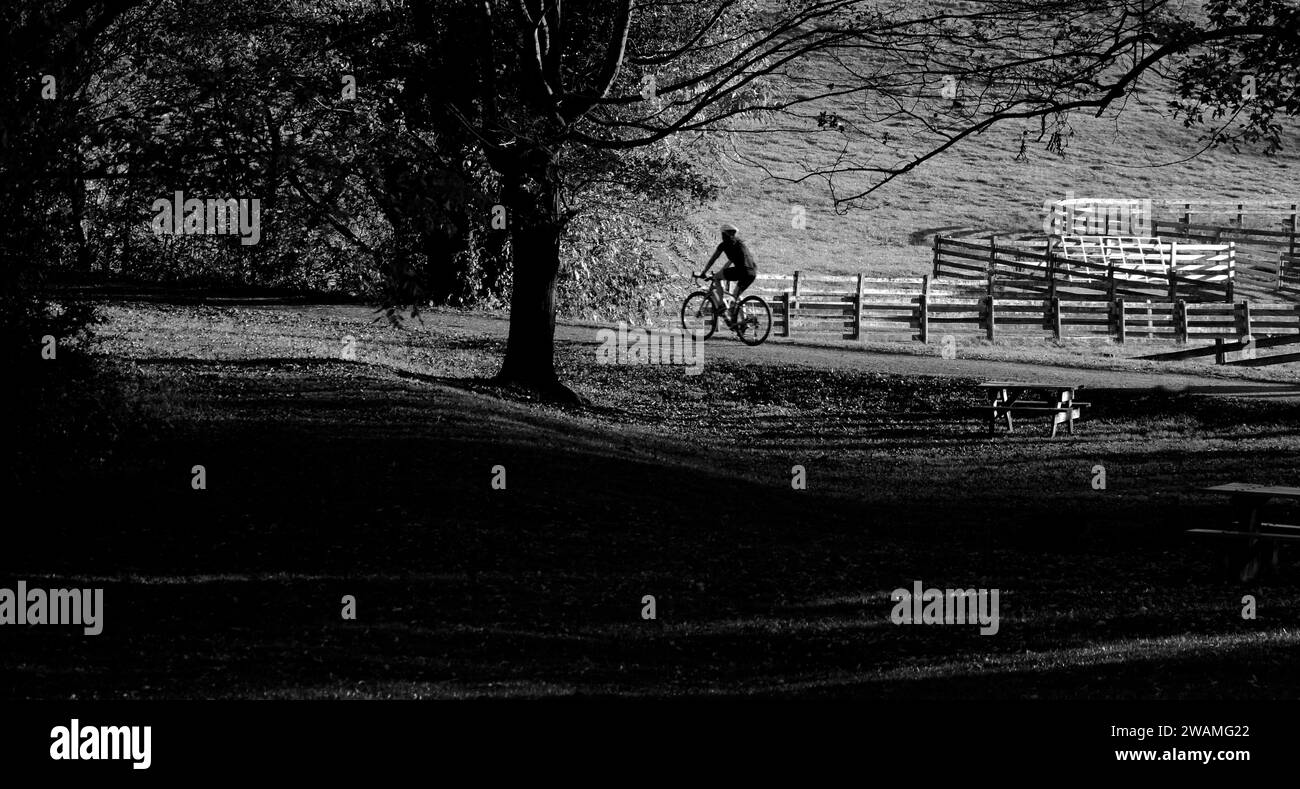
[1252, 542]
[1017, 397]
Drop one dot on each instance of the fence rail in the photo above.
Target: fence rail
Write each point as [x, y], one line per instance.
[1280, 212]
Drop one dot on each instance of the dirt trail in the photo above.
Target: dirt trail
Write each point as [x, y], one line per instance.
[904, 362]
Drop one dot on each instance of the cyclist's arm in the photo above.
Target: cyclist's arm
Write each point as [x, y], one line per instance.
[709, 265]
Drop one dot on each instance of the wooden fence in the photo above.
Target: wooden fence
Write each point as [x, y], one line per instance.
[1265, 258]
[1044, 269]
[1125, 215]
[1265, 233]
[1289, 278]
[1269, 214]
[923, 308]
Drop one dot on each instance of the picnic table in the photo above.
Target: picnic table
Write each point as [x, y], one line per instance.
[1020, 397]
[1252, 542]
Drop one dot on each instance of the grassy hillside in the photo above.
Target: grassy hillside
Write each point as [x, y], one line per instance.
[1137, 153]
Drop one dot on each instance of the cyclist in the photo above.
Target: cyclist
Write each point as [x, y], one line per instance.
[740, 267]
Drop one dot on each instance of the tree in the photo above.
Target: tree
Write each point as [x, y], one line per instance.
[46, 50]
[543, 89]
[246, 105]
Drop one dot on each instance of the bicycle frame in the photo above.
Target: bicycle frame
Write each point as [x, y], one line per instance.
[722, 288]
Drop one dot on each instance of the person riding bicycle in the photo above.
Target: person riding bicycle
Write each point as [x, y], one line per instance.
[740, 266]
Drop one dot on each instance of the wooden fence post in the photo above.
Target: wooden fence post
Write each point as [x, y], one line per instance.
[1220, 356]
[936, 255]
[990, 329]
[923, 310]
[794, 293]
[785, 303]
[1180, 322]
[1230, 279]
[1051, 269]
[1058, 326]
[992, 264]
[1173, 284]
[1173, 256]
[1187, 214]
[857, 311]
[993, 258]
[1290, 255]
[1240, 223]
[1243, 319]
[1121, 329]
[1110, 279]
[1294, 209]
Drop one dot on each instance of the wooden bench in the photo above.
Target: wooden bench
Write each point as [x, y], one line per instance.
[1253, 543]
[1016, 397]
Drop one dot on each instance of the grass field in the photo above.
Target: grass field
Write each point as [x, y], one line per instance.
[328, 478]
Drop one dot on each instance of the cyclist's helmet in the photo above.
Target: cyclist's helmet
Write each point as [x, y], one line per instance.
[727, 227]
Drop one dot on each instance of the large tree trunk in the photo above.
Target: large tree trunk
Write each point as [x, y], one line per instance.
[533, 211]
[76, 191]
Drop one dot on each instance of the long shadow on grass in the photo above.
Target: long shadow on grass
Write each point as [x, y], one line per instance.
[541, 582]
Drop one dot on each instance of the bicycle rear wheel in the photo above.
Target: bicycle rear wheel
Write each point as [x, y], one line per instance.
[699, 317]
[753, 321]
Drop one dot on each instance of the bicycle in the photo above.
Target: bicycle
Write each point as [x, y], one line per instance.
[701, 309]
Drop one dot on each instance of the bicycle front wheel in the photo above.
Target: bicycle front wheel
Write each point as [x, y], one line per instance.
[753, 321]
[699, 318]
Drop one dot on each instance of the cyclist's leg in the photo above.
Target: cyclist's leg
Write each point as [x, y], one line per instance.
[732, 274]
[743, 283]
[743, 280]
[718, 289]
